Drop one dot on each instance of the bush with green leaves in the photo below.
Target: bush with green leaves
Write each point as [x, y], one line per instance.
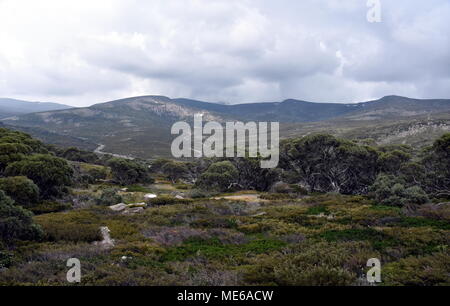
[391, 190]
[128, 172]
[174, 170]
[21, 189]
[51, 174]
[325, 163]
[14, 146]
[78, 155]
[16, 223]
[392, 162]
[220, 176]
[437, 167]
[109, 196]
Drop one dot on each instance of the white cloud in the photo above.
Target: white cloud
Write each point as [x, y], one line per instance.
[83, 52]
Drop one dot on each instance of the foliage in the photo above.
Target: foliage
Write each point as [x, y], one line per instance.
[392, 162]
[431, 270]
[325, 163]
[390, 190]
[437, 165]
[79, 226]
[21, 189]
[109, 196]
[75, 154]
[16, 223]
[174, 170]
[51, 174]
[127, 172]
[167, 200]
[220, 176]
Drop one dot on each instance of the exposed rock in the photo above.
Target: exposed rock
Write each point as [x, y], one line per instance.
[118, 207]
[132, 211]
[141, 204]
[178, 197]
[150, 196]
[107, 242]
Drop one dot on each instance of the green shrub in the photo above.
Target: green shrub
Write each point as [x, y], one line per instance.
[21, 189]
[127, 172]
[378, 239]
[174, 170]
[277, 196]
[74, 226]
[213, 248]
[431, 270]
[49, 207]
[138, 188]
[51, 174]
[310, 264]
[167, 200]
[390, 190]
[6, 259]
[220, 176]
[109, 197]
[317, 210]
[16, 223]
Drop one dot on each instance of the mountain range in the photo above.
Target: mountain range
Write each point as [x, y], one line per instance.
[13, 107]
[140, 126]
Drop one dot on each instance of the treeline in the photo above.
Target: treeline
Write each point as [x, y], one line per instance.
[32, 174]
[394, 174]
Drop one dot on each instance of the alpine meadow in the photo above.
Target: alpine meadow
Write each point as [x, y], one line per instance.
[202, 144]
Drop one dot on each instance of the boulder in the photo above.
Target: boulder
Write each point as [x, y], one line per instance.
[118, 207]
[107, 242]
[141, 204]
[132, 211]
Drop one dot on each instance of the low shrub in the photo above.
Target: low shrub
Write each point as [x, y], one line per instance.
[109, 196]
[431, 270]
[49, 207]
[277, 196]
[167, 200]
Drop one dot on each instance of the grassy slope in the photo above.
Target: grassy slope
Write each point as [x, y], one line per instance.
[316, 240]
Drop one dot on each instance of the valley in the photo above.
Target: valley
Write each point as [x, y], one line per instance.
[140, 127]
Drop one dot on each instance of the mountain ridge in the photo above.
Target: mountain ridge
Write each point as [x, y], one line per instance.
[140, 126]
[12, 107]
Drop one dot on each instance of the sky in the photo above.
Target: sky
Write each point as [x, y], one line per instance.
[232, 51]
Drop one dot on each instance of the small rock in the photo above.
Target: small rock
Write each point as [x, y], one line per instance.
[178, 197]
[132, 211]
[118, 207]
[124, 189]
[150, 196]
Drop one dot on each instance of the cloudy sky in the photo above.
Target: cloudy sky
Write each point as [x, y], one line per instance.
[84, 52]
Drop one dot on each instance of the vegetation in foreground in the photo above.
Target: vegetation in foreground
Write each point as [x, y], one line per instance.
[314, 221]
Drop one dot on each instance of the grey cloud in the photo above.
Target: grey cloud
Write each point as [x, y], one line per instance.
[224, 50]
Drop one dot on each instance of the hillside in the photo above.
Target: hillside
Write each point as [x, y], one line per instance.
[13, 107]
[140, 126]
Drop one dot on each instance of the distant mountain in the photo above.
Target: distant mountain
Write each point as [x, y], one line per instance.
[13, 107]
[140, 126]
